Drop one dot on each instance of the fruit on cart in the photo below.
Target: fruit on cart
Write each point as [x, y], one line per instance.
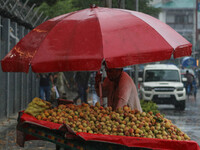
[36, 107]
[124, 121]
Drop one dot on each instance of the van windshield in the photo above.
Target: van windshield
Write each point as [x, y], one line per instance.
[162, 75]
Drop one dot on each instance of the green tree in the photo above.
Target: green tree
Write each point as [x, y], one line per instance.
[82, 4]
[39, 2]
[144, 6]
[58, 7]
[129, 4]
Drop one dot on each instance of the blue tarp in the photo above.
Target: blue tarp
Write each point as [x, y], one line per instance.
[189, 62]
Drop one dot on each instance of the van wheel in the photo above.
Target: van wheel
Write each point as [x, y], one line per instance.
[176, 106]
[182, 105]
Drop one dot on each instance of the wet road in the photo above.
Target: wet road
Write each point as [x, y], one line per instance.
[187, 120]
[8, 142]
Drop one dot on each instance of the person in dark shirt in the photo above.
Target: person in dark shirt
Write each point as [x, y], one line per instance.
[45, 85]
[81, 79]
[190, 79]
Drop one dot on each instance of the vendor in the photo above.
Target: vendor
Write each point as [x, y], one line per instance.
[119, 88]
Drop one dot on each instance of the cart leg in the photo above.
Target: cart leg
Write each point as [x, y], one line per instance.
[59, 147]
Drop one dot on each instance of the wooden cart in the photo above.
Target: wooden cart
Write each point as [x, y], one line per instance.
[33, 129]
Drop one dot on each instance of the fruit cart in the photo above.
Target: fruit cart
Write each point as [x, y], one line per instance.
[59, 135]
[30, 128]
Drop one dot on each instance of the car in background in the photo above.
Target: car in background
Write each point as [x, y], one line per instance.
[162, 84]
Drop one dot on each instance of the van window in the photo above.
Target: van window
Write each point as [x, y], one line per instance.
[162, 75]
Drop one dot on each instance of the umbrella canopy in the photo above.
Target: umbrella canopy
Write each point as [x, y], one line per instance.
[80, 40]
[189, 62]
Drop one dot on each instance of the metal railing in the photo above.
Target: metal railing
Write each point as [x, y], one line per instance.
[21, 13]
[16, 89]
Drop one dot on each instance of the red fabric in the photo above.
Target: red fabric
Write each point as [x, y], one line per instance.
[141, 142]
[80, 40]
[30, 119]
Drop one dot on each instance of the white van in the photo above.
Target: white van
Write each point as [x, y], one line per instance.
[162, 84]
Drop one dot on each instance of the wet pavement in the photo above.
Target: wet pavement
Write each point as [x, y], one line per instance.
[8, 141]
[188, 121]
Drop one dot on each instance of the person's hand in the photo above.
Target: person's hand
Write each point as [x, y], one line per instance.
[98, 78]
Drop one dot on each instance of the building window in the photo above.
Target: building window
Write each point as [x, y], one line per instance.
[170, 19]
[190, 19]
[180, 19]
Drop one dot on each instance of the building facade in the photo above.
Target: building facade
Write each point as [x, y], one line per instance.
[181, 16]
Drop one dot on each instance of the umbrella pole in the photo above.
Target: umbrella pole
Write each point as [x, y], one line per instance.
[100, 92]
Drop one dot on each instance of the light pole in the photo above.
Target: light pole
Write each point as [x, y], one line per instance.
[197, 27]
[136, 66]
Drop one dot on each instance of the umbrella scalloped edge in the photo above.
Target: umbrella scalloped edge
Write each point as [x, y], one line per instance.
[184, 50]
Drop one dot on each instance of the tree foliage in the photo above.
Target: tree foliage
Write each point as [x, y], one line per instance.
[82, 4]
[54, 8]
[39, 2]
[59, 8]
[144, 6]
